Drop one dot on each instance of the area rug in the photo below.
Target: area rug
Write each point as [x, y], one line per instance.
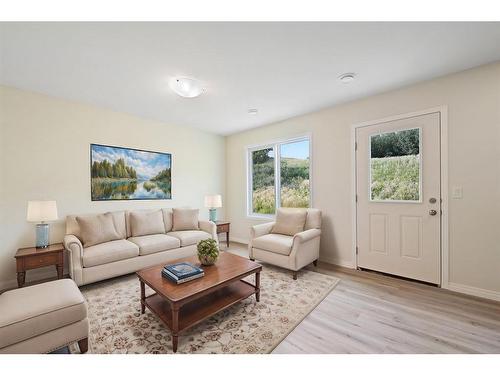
[116, 325]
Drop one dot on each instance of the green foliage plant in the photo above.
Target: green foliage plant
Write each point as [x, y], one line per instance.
[208, 251]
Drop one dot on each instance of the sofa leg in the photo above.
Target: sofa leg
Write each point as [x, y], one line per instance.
[252, 259]
[83, 344]
[315, 263]
[295, 275]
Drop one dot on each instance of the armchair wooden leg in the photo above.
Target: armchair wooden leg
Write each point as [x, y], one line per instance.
[295, 275]
[83, 344]
[315, 263]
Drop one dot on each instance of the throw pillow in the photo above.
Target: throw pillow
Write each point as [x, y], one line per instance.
[185, 219]
[146, 222]
[97, 229]
[289, 221]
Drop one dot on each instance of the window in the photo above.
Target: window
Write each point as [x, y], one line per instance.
[395, 166]
[279, 176]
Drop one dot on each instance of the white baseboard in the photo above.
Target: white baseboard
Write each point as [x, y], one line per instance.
[336, 261]
[239, 240]
[31, 276]
[473, 291]
[8, 284]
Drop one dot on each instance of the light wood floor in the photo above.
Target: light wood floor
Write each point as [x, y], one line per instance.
[372, 313]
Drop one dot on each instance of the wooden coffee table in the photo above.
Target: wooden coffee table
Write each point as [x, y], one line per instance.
[182, 306]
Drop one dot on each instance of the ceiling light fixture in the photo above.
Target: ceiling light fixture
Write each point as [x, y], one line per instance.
[186, 87]
[347, 77]
[253, 111]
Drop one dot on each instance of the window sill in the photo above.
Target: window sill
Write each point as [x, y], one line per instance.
[261, 217]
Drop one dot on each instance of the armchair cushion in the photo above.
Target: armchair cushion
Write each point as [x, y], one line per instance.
[190, 237]
[109, 252]
[143, 223]
[275, 243]
[185, 219]
[155, 243]
[37, 309]
[289, 221]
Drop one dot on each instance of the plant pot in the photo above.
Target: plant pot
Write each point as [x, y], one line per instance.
[207, 260]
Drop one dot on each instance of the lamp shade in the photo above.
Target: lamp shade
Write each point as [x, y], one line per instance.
[213, 201]
[42, 211]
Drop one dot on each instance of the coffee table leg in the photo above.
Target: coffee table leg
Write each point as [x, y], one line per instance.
[175, 327]
[257, 286]
[143, 297]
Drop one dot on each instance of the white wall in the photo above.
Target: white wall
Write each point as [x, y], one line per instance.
[44, 154]
[473, 100]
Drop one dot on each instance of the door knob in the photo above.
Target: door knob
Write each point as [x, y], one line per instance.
[432, 212]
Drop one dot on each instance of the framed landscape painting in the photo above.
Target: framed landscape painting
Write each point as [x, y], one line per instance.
[119, 173]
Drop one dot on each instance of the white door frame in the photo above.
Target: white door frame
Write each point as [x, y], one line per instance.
[443, 111]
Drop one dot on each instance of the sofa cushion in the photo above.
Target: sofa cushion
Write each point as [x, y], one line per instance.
[276, 243]
[154, 243]
[37, 309]
[190, 237]
[167, 218]
[97, 229]
[289, 221]
[185, 219]
[143, 223]
[109, 252]
[73, 228]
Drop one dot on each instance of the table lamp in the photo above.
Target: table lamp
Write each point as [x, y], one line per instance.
[40, 212]
[212, 202]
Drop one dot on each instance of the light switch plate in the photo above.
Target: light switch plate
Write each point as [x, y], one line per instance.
[457, 192]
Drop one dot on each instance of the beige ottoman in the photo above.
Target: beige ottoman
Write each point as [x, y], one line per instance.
[43, 318]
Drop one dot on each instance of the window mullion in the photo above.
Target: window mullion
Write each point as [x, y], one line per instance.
[277, 177]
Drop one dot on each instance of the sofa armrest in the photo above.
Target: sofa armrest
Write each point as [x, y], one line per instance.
[75, 248]
[306, 235]
[261, 229]
[209, 227]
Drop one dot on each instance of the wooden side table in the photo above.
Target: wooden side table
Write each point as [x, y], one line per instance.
[223, 227]
[30, 258]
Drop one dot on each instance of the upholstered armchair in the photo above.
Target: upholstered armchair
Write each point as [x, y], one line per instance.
[291, 242]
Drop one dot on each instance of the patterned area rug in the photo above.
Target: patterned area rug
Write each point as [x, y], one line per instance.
[116, 325]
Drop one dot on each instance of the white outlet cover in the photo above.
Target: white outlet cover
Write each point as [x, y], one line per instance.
[457, 192]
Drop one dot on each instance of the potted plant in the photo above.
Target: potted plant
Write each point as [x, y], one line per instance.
[208, 251]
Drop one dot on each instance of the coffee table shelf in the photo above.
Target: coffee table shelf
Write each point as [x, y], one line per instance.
[198, 310]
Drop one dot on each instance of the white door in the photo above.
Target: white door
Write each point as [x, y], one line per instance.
[399, 197]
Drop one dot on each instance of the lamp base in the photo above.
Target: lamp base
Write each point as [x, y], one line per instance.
[42, 236]
[212, 212]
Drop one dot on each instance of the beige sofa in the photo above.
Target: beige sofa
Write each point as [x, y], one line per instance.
[290, 251]
[43, 318]
[130, 253]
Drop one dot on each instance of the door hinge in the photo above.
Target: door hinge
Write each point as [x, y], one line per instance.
[355, 146]
[357, 250]
[356, 198]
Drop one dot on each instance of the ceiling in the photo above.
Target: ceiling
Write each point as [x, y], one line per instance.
[282, 69]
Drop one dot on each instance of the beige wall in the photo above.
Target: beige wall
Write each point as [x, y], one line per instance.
[473, 100]
[44, 154]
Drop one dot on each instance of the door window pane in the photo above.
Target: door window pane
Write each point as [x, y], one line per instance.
[395, 166]
[294, 174]
[263, 191]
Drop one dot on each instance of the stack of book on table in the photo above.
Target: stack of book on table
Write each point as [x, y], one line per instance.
[181, 272]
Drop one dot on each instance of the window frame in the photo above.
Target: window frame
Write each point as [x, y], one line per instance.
[275, 145]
